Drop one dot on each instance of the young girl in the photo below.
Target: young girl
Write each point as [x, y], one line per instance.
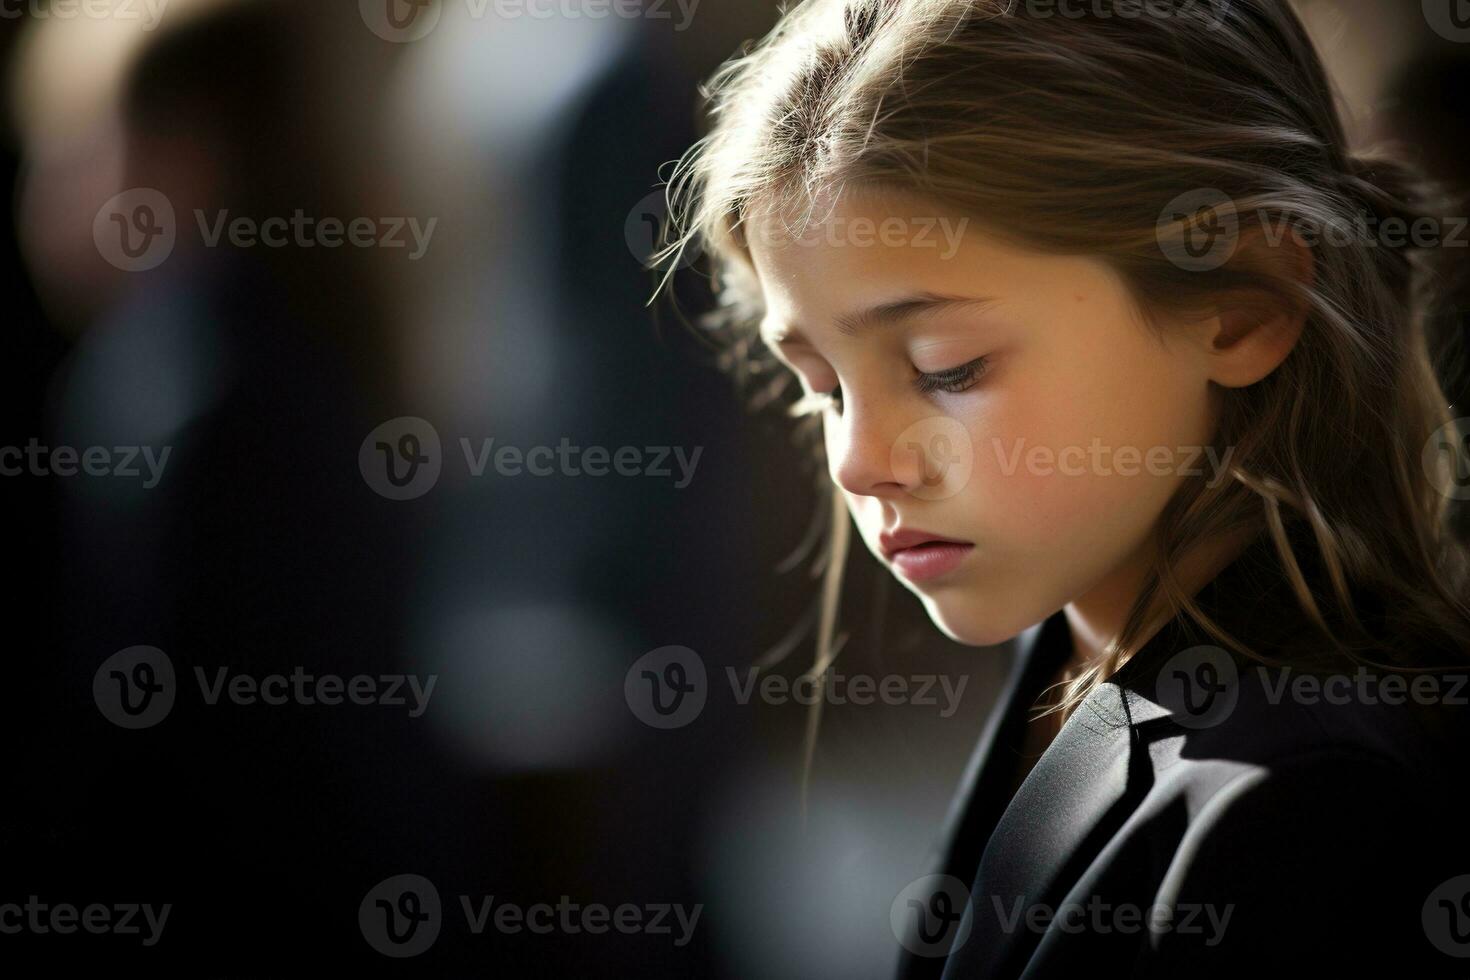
[1119, 349]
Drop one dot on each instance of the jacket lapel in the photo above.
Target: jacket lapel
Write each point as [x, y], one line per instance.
[1079, 794]
[981, 797]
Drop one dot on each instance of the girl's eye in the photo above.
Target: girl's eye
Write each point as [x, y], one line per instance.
[954, 380]
[951, 381]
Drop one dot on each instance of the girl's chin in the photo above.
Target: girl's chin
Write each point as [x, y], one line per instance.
[964, 627]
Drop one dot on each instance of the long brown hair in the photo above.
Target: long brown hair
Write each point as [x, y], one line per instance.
[1071, 134]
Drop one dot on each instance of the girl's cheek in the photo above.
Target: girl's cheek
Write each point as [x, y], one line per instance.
[1022, 498]
[1040, 490]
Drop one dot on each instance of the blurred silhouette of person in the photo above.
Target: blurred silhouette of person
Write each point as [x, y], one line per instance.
[246, 378]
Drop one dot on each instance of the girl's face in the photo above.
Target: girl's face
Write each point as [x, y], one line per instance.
[1008, 407]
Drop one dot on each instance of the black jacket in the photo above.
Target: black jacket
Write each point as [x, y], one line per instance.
[1194, 817]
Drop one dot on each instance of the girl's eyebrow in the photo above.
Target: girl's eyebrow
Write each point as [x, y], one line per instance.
[909, 307]
[905, 308]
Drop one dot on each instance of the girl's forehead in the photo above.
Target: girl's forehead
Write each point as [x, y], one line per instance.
[799, 214]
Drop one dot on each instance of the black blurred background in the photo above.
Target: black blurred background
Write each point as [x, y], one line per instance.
[538, 145]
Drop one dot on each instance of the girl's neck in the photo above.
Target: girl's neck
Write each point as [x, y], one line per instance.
[1097, 618]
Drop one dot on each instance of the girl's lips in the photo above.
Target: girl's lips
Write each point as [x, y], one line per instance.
[932, 559]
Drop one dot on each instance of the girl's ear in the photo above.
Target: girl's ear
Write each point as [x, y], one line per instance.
[1253, 331]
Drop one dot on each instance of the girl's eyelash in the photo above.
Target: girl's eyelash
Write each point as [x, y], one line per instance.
[952, 381]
